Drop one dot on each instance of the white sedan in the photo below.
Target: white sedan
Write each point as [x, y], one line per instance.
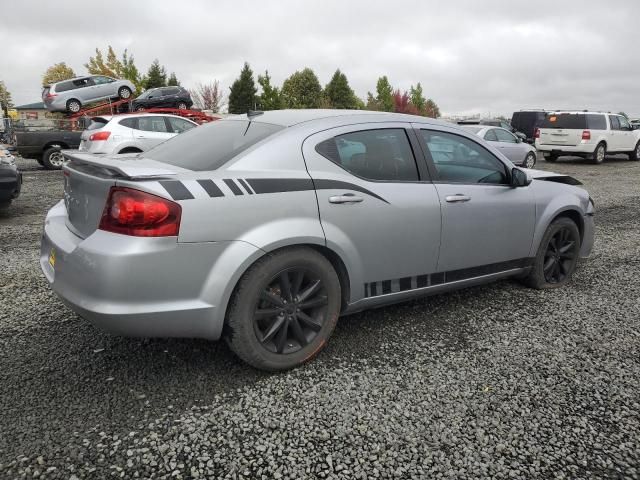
[131, 133]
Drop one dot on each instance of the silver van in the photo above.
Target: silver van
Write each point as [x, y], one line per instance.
[71, 95]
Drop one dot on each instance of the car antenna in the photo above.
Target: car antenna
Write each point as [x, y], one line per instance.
[254, 113]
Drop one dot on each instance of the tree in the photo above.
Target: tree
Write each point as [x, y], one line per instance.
[111, 68]
[173, 80]
[130, 71]
[431, 109]
[57, 73]
[207, 96]
[384, 95]
[156, 76]
[270, 98]
[242, 96]
[416, 98]
[5, 99]
[402, 103]
[302, 90]
[339, 93]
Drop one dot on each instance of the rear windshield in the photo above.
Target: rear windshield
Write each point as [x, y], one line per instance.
[575, 121]
[210, 146]
[97, 122]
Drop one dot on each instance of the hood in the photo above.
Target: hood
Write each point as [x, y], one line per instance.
[552, 177]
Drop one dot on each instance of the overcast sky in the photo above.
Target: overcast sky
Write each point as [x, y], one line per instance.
[490, 56]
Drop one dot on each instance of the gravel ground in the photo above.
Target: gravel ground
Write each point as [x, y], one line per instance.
[497, 381]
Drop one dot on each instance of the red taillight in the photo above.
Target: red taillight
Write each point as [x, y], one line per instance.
[51, 95]
[99, 136]
[537, 133]
[586, 134]
[140, 214]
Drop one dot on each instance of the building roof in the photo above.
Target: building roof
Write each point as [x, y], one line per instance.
[32, 106]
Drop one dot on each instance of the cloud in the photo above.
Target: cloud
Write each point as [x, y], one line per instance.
[494, 56]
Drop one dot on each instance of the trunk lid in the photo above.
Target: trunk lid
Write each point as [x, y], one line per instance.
[88, 179]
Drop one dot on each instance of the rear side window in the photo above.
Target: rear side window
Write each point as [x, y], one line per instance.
[129, 122]
[490, 136]
[383, 155]
[504, 136]
[83, 82]
[169, 91]
[64, 87]
[596, 122]
[211, 145]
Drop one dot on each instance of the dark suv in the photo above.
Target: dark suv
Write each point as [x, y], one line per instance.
[164, 97]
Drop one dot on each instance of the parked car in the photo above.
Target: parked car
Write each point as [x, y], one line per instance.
[10, 179]
[165, 97]
[512, 147]
[526, 121]
[262, 230]
[586, 134]
[71, 95]
[131, 133]
[45, 146]
[493, 122]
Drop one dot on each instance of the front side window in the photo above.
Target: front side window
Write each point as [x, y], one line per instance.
[152, 124]
[179, 125]
[82, 82]
[504, 136]
[382, 155]
[100, 80]
[624, 124]
[458, 159]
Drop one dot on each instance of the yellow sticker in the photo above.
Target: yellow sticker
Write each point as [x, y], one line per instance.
[52, 258]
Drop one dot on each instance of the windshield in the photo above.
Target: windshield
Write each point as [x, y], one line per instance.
[211, 145]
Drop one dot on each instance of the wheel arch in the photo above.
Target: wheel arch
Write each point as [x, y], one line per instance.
[130, 149]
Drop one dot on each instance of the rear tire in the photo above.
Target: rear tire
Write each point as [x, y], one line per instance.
[52, 159]
[275, 323]
[73, 106]
[635, 155]
[599, 153]
[557, 255]
[124, 93]
[551, 158]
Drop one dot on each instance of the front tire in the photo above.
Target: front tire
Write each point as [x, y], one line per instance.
[635, 155]
[557, 255]
[599, 153]
[52, 158]
[530, 160]
[124, 93]
[284, 309]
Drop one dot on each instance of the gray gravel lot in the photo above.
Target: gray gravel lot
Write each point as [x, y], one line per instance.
[497, 381]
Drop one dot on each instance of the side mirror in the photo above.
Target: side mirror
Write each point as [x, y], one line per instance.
[519, 178]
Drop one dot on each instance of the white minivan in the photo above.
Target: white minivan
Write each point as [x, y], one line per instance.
[586, 134]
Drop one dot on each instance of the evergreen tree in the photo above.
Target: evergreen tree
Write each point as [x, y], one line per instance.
[269, 99]
[417, 99]
[242, 96]
[130, 71]
[339, 93]
[5, 99]
[173, 80]
[384, 96]
[431, 109]
[302, 90]
[156, 76]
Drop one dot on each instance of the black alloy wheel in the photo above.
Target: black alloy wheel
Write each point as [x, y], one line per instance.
[290, 311]
[560, 256]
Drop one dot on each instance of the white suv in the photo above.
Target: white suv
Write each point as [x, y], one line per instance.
[586, 134]
[131, 133]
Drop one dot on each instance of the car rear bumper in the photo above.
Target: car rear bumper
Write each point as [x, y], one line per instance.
[133, 286]
[579, 150]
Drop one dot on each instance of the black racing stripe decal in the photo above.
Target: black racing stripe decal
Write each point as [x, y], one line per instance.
[211, 188]
[232, 185]
[278, 185]
[440, 278]
[176, 189]
[324, 184]
[245, 186]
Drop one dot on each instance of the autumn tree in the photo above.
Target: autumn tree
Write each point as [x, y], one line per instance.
[302, 90]
[242, 96]
[339, 93]
[156, 76]
[402, 103]
[269, 98]
[207, 96]
[97, 65]
[5, 99]
[57, 73]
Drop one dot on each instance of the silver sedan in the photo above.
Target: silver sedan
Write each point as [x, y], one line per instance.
[512, 147]
[263, 229]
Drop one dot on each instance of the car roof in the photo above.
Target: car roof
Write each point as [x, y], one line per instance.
[575, 112]
[288, 118]
[137, 115]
